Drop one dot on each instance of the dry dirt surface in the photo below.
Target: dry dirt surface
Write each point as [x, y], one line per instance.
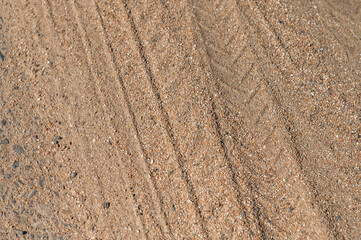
[156, 119]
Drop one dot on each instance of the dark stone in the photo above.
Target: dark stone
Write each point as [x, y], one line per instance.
[18, 149]
[28, 167]
[2, 57]
[32, 193]
[58, 138]
[15, 165]
[5, 141]
[41, 181]
[106, 205]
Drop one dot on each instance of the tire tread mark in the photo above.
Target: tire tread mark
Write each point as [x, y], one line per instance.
[254, 93]
[217, 64]
[341, 18]
[257, 212]
[213, 50]
[290, 128]
[168, 127]
[260, 116]
[134, 123]
[86, 44]
[241, 53]
[232, 38]
[268, 28]
[89, 64]
[245, 76]
[49, 10]
[236, 90]
[286, 119]
[233, 172]
[255, 209]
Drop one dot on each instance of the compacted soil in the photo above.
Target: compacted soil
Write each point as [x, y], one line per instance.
[156, 119]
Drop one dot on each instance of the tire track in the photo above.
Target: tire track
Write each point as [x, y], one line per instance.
[168, 127]
[247, 103]
[87, 45]
[130, 115]
[326, 209]
[189, 119]
[133, 120]
[162, 158]
[212, 131]
[112, 50]
[255, 210]
[267, 27]
[97, 177]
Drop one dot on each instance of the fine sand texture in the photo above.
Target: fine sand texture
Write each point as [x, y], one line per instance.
[180, 119]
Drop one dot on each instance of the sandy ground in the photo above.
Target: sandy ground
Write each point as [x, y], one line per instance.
[158, 119]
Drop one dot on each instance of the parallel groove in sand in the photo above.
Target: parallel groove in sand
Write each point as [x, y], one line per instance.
[166, 121]
[255, 210]
[87, 49]
[248, 101]
[199, 103]
[228, 170]
[325, 210]
[134, 121]
[115, 48]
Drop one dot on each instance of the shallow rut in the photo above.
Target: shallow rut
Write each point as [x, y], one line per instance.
[180, 119]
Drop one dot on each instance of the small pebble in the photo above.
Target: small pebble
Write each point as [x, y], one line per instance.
[28, 167]
[15, 165]
[7, 176]
[41, 181]
[2, 57]
[5, 141]
[106, 205]
[3, 122]
[18, 149]
[58, 138]
[32, 193]
[74, 174]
